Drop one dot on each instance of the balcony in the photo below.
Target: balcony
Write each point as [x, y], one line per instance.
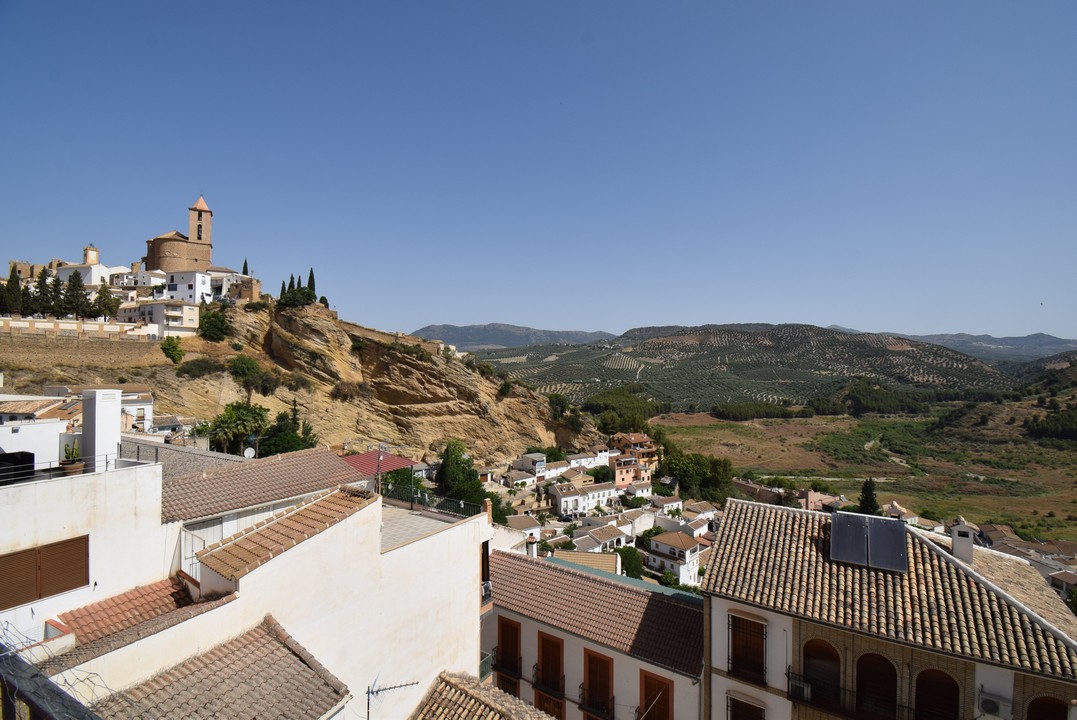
[842, 703]
[486, 665]
[547, 682]
[507, 665]
[598, 704]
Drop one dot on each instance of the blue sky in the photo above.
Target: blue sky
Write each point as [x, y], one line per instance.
[906, 167]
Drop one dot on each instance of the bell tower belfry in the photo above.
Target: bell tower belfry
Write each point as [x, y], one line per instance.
[200, 223]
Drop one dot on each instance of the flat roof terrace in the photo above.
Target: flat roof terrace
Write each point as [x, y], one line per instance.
[401, 525]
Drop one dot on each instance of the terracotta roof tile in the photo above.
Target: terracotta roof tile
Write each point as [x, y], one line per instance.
[243, 485]
[459, 697]
[653, 627]
[127, 609]
[262, 674]
[367, 463]
[992, 611]
[235, 556]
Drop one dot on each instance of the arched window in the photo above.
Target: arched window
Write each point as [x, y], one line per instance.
[822, 670]
[876, 687]
[938, 696]
[1047, 708]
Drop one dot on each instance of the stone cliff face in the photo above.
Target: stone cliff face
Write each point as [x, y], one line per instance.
[365, 386]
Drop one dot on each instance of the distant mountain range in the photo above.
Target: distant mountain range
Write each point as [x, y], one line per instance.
[495, 336]
[992, 349]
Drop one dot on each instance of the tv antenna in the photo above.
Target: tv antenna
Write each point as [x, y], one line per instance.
[383, 447]
[373, 691]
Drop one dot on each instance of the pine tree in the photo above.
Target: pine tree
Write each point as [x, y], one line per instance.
[75, 301]
[44, 292]
[245, 267]
[12, 292]
[310, 281]
[291, 283]
[105, 305]
[56, 296]
[869, 504]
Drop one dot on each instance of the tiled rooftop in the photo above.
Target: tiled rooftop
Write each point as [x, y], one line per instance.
[995, 611]
[235, 556]
[234, 487]
[653, 627]
[262, 674]
[606, 533]
[367, 463]
[676, 539]
[122, 611]
[606, 561]
[459, 697]
[177, 461]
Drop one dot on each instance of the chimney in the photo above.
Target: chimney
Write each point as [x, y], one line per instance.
[532, 547]
[100, 428]
[961, 540]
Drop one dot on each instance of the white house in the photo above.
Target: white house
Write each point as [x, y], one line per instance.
[579, 501]
[189, 286]
[574, 661]
[171, 318]
[826, 615]
[136, 401]
[667, 505]
[533, 463]
[675, 552]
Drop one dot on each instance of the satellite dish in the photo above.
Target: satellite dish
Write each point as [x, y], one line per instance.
[248, 452]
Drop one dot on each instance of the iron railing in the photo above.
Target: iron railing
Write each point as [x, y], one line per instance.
[417, 496]
[597, 704]
[841, 702]
[508, 666]
[486, 665]
[547, 682]
[21, 472]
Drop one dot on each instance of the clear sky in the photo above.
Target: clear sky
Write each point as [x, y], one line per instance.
[907, 167]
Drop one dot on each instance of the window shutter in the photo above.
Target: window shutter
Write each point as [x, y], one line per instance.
[65, 565]
[18, 578]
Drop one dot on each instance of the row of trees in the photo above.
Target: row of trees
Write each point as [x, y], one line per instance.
[244, 424]
[296, 294]
[49, 296]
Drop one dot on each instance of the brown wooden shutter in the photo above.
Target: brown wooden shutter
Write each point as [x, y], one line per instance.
[18, 578]
[65, 565]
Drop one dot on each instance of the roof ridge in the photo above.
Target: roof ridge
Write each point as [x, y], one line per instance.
[304, 655]
[783, 508]
[969, 569]
[280, 515]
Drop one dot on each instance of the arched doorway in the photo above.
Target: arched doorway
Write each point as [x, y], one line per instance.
[876, 688]
[1047, 708]
[822, 669]
[938, 696]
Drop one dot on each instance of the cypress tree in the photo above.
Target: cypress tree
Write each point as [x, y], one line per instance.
[44, 292]
[869, 504]
[291, 283]
[281, 290]
[245, 266]
[310, 281]
[12, 292]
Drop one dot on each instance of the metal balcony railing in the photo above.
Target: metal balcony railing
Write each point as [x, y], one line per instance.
[841, 702]
[486, 665]
[597, 704]
[508, 666]
[547, 682]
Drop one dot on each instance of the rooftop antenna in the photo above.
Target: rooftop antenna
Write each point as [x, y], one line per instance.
[382, 448]
[373, 691]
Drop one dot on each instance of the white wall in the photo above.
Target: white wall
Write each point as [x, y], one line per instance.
[687, 696]
[779, 643]
[120, 510]
[995, 681]
[41, 437]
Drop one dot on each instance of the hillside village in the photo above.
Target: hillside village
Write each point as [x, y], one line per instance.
[146, 574]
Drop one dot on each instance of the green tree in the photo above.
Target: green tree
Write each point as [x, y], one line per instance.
[310, 282]
[28, 304]
[239, 420]
[104, 304]
[13, 292]
[75, 301]
[291, 283]
[282, 290]
[456, 476]
[601, 474]
[631, 561]
[44, 292]
[243, 366]
[245, 267]
[213, 325]
[869, 504]
[288, 433]
[170, 346]
[559, 405]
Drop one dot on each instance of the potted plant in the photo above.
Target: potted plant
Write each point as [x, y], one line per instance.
[72, 463]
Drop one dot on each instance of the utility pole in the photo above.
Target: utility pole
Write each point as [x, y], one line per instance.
[382, 448]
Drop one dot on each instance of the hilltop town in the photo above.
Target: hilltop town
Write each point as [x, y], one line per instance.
[420, 534]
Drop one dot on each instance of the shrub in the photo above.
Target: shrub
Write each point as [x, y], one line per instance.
[505, 389]
[295, 381]
[199, 367]
[256, 306]
[237, 346]
[243, 366]
[345, 391]
[170, 346]
[358, 345]
[213, 325]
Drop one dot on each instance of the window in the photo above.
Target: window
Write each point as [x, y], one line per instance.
[199, 232]
[199, 216]
[508, 646]
[596, 692]
[876, 686]
[938, 697]
[655, 697]
[822, 672]
[550, 670]
[1047, 708]
[748, 649]
[740, 710]
[44, 571]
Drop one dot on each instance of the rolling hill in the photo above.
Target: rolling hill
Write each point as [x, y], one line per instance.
[697, 367]
[497, 335]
